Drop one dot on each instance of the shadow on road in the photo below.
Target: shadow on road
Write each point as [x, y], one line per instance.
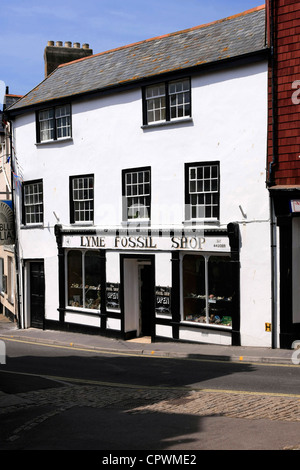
[103, 403]
[70, 399]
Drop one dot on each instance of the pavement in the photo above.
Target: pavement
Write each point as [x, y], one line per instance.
[144, 346]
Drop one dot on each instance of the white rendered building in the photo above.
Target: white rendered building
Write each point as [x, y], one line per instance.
[144, 208]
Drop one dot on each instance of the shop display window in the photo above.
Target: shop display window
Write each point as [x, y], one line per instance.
[207, 289]
[84, 274]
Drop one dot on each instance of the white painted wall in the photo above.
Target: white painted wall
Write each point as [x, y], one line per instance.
[229, 110]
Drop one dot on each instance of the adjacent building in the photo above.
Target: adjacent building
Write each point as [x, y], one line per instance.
[8, 287]
[143, 208]
[283, 171]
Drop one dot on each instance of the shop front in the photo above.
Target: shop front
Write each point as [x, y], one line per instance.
[286, 203]
[180, 286]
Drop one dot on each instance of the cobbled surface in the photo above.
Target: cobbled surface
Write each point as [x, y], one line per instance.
[54, 401]
[198, 403]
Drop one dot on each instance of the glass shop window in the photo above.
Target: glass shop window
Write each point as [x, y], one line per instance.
[84, 279]
[207, 289]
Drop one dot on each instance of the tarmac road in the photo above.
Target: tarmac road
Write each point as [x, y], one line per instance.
[70, 415]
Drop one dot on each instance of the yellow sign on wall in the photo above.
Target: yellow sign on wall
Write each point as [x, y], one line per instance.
[268, 326]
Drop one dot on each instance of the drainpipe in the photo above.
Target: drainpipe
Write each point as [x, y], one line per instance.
[274, 280]
[271, 182]
[16, 245]
[274, 161]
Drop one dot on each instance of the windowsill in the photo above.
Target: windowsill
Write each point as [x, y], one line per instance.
[168, 123]
[83, 310]
[113, 311]
[82, 224]
[197, 222]
[136, 222]
[57, 141]
[206, 325]
[32, 226]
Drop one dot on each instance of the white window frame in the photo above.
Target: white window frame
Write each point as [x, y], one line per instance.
[167, 101]
[33, 203]
[63, 122]
[180, 99]
[156, 103]
[82, 199]
[46, 125]
[204, 191]
[137, 194]
[54, 124]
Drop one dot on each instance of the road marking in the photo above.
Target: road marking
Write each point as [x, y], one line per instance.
[145, 354]
[187, 388]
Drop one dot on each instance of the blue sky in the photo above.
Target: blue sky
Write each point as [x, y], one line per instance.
[27, 26]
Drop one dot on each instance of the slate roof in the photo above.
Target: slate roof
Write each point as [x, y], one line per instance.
[232, 37]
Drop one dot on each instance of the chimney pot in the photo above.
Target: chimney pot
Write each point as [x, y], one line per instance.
[50, 43]
[55, 56]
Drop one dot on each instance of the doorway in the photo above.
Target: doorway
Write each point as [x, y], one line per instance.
[37, 294]
[138, 289]
[146, 292]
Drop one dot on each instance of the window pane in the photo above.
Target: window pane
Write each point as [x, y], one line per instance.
[211, 303]
[63, 121]
[179, 99]
[156, 103]
[46, 125]
[92, 280]
[192, 186]
[220, 290]
[214, 171]
[75, 279]
[156, 90]
[194, 288]
[214, 185]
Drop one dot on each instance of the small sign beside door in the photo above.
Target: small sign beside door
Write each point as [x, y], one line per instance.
[295, 205]
[112, 296]
[162, 299]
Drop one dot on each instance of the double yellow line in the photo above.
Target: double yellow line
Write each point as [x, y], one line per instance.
[145, 387]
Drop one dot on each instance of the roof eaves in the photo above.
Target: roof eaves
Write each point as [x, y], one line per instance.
[134, 81]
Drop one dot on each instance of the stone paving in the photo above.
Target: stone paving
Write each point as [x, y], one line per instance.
[198, 403]
[153, 400]
[47, 403]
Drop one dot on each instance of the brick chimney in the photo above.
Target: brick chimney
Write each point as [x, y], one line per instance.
[55, 55]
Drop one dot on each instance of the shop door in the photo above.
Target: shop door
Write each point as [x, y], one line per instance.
[37, 294]
[146, 299]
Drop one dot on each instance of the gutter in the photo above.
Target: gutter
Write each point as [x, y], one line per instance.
[140, 81]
